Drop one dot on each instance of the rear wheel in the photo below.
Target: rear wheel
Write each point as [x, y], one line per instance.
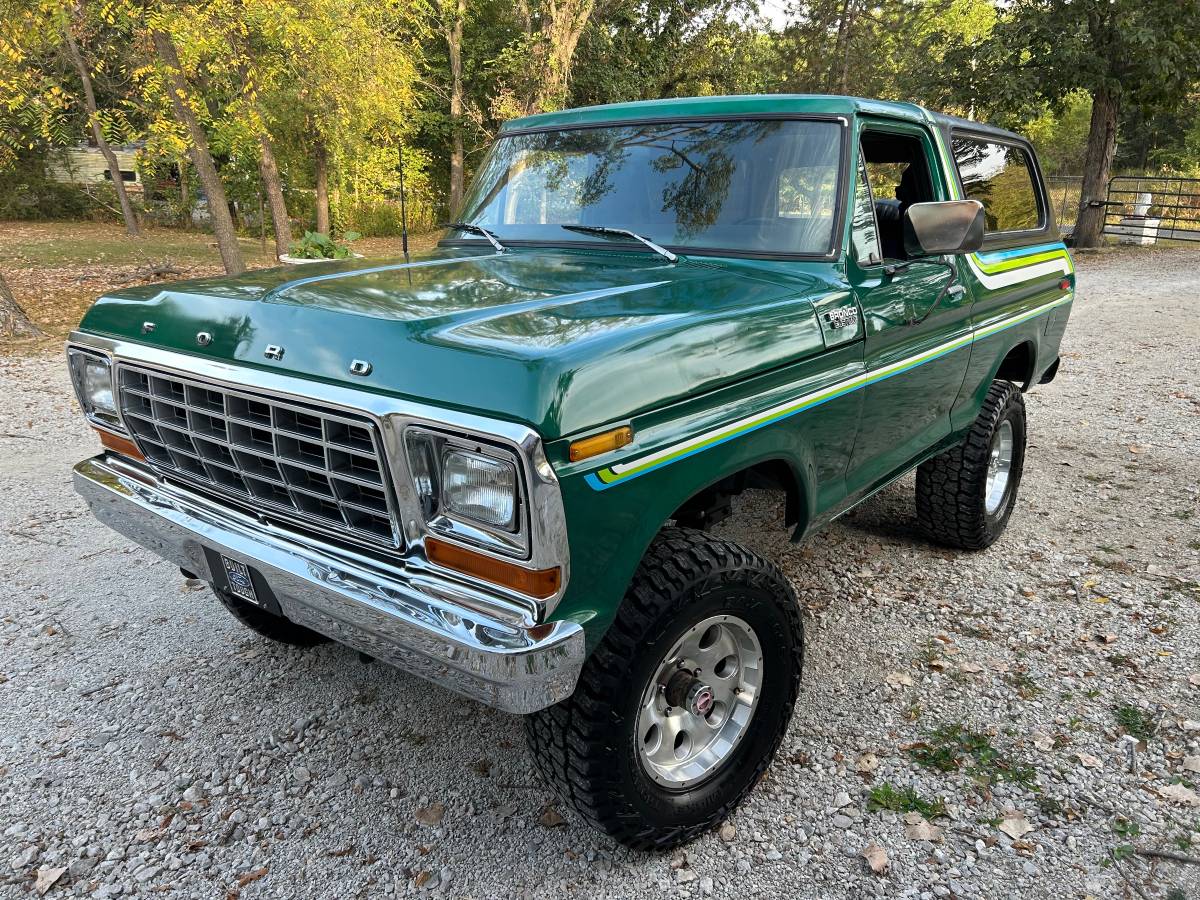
[682, 706]
[966, 495]
[269, 625]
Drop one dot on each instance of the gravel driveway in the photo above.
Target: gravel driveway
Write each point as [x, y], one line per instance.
[150, 745]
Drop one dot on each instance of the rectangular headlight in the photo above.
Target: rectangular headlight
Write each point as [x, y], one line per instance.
[91, 375]
[468, 490]
[480, 488]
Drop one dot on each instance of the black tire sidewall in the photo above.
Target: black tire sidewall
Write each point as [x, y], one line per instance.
[1012, 410]
[756, 605]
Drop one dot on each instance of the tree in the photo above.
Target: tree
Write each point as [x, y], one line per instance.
[551, 30]
[13, 320]
[453, 12]
[202, 161]
[1123, 53]
[69, 23]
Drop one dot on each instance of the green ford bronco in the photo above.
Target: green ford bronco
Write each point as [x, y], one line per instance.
[495, 465]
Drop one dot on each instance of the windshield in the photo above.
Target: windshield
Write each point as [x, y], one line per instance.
[744, 185]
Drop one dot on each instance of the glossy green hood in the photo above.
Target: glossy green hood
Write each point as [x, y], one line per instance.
[561, 340]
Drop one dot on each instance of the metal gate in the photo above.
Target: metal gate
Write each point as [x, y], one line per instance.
[1145, 209]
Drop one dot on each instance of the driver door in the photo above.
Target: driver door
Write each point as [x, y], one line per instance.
[916, 352]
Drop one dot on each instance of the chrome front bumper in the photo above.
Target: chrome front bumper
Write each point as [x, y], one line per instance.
[444, 631]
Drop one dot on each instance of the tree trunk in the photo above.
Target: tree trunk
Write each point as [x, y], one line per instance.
[562, 25]
[185, 199]
[453, 32]
[218, 207]
[322, 185]
[1101, 145]
[13, 320]
[89, 96]
[270, 177]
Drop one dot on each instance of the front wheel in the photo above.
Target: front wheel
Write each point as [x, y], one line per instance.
[269, 625]
[966, 495]
[682, 706]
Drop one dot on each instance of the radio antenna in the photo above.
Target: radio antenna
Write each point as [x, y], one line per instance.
[403, 208]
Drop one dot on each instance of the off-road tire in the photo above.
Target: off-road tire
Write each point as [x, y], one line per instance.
[951, 487]
[586, 746]
[269, 625]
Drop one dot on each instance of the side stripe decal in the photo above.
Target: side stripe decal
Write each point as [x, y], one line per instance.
[620, 472]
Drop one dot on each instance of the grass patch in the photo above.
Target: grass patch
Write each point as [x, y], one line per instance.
[955, 747]
[1135, 721]
[1024, 685]
[888, 796]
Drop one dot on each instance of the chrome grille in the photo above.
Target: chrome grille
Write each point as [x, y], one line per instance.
[309, 464]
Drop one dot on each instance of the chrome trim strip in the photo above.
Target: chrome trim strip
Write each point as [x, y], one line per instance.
[415, 620]
[547, 517]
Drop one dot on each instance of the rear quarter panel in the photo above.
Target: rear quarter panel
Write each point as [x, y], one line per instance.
[1016, 283]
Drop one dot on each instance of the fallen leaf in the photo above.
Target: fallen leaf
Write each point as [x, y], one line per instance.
[1191, 763]
[46, 877]
[550, 818]
[505, 811]
[1180, 793]
[876, 858]
[679, 860]
[916, 828]
[1134, 448]
[422, 878]
[867, 763]
[971, 667]
[1043, 741]
[1015, 824]
[1090, 762]
[432, 814]
[895, 679]
[1106, 638]
[146, 835]
[244, 880]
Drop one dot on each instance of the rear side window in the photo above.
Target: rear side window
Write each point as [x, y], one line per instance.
[1000, 176]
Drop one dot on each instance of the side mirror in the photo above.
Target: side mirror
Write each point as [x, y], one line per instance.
[949, 226]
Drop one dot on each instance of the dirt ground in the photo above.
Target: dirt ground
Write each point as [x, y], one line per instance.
[1023, 721]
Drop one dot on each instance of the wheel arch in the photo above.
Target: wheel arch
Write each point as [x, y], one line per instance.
[1018, 364]
[770, 472]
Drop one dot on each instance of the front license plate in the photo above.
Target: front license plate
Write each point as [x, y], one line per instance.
[238, 576]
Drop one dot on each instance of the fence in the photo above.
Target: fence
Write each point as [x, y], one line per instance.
[1064, 192]
[1152, 209]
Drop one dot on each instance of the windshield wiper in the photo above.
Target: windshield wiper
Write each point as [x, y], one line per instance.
[479, 230]
[605, 231]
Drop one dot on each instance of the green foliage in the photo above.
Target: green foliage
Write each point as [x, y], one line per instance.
[315, 245]
[356, 80]
[1136, 722]
[887, 796]
[950, 748]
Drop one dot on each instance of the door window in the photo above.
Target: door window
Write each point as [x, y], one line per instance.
[898, 175]
[864, 234]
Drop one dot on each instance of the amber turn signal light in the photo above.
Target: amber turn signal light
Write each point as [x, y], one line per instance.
[537, 583]
[121, 445]
[587, 447]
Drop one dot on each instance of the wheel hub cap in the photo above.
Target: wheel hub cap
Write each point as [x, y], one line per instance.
[1000, 459]
[699, 702]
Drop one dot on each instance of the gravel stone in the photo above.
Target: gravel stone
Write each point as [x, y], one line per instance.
[132, 704]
